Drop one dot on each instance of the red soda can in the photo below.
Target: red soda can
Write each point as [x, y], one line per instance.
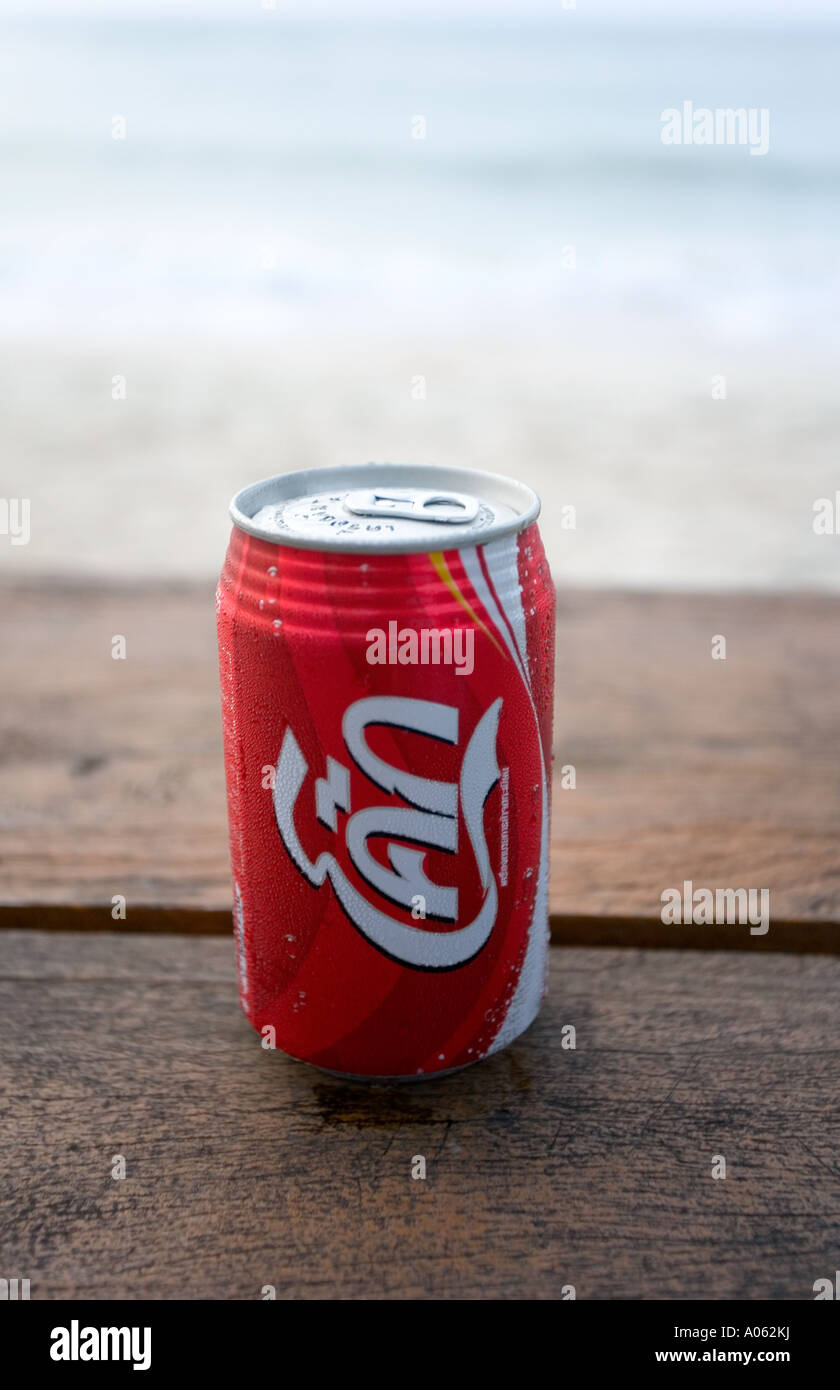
[386, 644]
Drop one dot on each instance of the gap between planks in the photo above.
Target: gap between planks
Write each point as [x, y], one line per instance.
[814, 938]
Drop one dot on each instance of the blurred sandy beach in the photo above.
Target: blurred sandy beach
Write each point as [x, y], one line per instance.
[671, 488]
[449, 242]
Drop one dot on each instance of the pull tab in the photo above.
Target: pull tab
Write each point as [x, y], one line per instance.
[413, 504]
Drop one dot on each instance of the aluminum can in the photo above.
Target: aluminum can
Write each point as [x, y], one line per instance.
[386, 646]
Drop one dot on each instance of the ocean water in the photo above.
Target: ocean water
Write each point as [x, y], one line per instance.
[270, 183]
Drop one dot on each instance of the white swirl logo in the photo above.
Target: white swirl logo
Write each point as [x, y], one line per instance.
[429, 820]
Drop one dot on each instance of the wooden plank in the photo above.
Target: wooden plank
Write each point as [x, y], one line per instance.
[722, 772]
[545, 1166]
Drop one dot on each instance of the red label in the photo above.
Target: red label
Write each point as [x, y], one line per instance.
[387, 788]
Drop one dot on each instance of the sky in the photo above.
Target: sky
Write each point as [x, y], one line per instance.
[670, 11]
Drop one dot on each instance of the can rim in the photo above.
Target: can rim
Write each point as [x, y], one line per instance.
[282, 487]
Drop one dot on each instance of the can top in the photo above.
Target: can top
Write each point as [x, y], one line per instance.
[387, 507]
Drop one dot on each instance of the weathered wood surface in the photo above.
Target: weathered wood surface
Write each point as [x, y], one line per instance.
[722, 772]
[545, 1166]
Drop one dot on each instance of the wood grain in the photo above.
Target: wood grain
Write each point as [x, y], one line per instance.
[721, 772]
[545, 1167]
